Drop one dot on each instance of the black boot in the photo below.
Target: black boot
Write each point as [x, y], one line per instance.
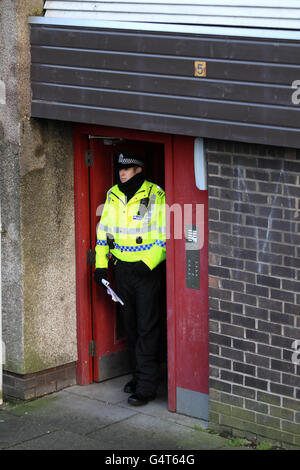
[130, 387]
[140, 400]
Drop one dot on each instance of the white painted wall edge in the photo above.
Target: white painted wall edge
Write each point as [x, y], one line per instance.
[260, 33]
[200, 168]
[2, 93]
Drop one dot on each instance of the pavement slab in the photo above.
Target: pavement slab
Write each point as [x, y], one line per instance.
[17, 430]
[73, 413]
[143, 431]
[60, 440]
[111, 392]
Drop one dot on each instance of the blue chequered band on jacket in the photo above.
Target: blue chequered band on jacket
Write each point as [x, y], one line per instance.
[160, 243]
[134, 248]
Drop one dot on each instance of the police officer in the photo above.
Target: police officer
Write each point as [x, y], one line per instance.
[132, 229]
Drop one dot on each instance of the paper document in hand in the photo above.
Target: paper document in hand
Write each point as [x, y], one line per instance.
[111, 292]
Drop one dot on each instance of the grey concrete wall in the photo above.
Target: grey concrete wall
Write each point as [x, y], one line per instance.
[47, 220]
[11, 257]
[37, 199]
[10, 191]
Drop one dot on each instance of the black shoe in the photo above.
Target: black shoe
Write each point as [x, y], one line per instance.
[139, 400]
[130, 387]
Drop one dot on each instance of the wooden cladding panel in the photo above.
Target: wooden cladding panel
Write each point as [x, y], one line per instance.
[177, 106]
[167, 44]
[179, 66]
[180, 86]
[147, 79]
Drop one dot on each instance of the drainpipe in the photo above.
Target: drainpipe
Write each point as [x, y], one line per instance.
[1, 343]
[2, 101]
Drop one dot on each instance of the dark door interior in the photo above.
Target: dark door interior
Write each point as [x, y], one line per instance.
[111, 357]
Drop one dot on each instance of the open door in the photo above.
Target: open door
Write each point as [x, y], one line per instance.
[110, 357]
[190, 295]
[171, 164]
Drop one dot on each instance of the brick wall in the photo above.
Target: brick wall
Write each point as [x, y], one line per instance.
[38, 384]
[254, 207]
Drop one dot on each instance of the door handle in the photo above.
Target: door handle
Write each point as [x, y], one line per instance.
[200, 166]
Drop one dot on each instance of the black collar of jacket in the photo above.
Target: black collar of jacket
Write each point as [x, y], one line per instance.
[130, 187]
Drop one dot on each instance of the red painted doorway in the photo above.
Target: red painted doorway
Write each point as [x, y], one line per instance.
[101, 344]
[111, 356]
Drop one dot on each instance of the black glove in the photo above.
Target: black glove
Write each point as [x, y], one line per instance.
[141, 269]
[99, 274]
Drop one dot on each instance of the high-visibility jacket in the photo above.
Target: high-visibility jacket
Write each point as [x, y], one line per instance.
[137, 229]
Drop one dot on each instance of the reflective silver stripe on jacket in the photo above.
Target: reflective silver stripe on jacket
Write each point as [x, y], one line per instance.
[149, 212]
[145, 228]
[131, 231]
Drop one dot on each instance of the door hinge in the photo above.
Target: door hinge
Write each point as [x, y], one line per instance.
[91, 257]
[92, 348]
[89, 158]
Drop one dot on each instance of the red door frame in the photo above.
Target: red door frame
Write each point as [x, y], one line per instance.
[82, 236]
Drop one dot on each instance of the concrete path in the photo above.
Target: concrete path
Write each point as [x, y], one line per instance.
[98, 417]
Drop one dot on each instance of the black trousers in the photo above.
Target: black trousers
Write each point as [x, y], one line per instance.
[141, 318]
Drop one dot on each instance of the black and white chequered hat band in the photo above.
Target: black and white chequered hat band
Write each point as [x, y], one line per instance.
[129, 161]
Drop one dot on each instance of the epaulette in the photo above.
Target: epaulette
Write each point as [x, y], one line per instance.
[158, 190]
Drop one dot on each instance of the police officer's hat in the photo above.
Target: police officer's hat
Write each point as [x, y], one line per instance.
[128, 160]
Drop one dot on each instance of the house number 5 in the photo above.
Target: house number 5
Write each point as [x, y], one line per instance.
[200, 68]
